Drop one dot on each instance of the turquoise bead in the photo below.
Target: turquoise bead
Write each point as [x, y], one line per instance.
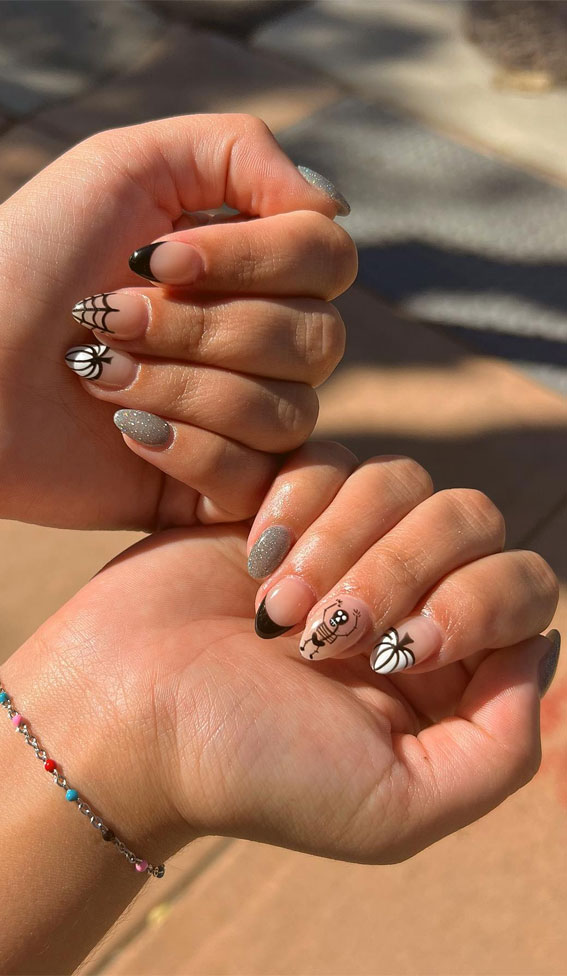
[71, 795]
[3, 696]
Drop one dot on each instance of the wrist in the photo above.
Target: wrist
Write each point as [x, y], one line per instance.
[99, 748]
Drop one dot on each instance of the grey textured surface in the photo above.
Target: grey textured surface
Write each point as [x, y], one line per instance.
[450, 235]
[56, 49]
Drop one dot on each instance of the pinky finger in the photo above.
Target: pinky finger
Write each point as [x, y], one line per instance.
[231, 478]
[464, 766]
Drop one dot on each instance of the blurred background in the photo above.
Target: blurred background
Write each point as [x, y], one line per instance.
[445, 126]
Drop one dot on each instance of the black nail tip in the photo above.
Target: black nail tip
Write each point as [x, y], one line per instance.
[139, 261]
[265, 626]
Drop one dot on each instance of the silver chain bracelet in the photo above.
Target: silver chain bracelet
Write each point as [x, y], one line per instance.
[141, 865]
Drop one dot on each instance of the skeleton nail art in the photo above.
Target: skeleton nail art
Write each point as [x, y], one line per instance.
[118, 313]
[333, 627]
[410, 643]
[100, 362]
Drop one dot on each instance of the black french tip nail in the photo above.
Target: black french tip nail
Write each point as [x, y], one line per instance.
[139, 261]
[265, 626]
[548, 664]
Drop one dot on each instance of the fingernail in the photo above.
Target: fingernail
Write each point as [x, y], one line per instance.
[268, 551]
[120, 314]
[170, 262]
[285, 606]
[333, 627]
[322, 183]
[143, 427]
[549, 662]
[102, 364]
[411, 642]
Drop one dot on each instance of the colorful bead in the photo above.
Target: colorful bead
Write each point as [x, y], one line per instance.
[16, 719]
[142, 866]
[71, 795]
[3, 697]
[107, 834]
[160, 871]
[49, 765]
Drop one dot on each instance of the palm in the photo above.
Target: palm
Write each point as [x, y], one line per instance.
[277, 736]
[66, 441]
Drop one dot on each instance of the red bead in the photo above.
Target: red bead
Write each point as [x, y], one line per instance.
[49, 765]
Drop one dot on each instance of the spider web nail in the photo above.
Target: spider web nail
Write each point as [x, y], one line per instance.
[93, 312]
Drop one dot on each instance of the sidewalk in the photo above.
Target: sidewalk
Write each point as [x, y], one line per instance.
[449, 181]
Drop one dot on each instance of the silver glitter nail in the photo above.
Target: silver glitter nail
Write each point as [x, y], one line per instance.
[269, 550]
[143, 427]
[322, 183]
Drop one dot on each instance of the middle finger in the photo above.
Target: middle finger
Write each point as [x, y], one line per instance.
[299, 339]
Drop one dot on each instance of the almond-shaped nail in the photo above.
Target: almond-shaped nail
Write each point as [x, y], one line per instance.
[119, 313]
[101, 364]
[548, 664]
[170, 262]
[268, 551]
[412, 642]
[325, 185]
[333, 627]
[143, 427]
[284, 606]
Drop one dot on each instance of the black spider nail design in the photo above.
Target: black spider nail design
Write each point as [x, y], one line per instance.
[93, 312]
[88, 361]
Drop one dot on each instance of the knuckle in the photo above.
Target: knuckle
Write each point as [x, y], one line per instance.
[297, 414]
[412, 478]
[541, 580]
[346, 257]
[321, 339]
[476, 511]
[334, 248]
[524, 764]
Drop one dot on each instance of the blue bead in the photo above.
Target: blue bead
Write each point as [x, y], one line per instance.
[3, 696]
[71, 795]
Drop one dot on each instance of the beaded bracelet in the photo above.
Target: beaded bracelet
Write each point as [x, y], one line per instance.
[72, 795]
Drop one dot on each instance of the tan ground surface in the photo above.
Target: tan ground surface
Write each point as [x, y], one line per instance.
[489, 900]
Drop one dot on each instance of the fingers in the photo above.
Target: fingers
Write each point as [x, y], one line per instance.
[266, 415]
[493, 602]
[379, 548]
[230, 477]
[417, 581]
[444, 532]
[371, 502]
[301, 253]
[303, 489]
[462, 768]
[292, 339]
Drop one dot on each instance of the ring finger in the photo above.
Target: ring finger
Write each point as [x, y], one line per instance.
[267, 415]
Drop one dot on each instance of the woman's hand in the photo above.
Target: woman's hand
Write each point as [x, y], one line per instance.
[225, 352]
[215, 731]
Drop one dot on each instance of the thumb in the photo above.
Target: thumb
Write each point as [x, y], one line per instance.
[216, 159]
[492, 746]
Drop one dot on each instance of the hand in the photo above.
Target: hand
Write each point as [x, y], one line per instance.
[221, 733]
[229, 360]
